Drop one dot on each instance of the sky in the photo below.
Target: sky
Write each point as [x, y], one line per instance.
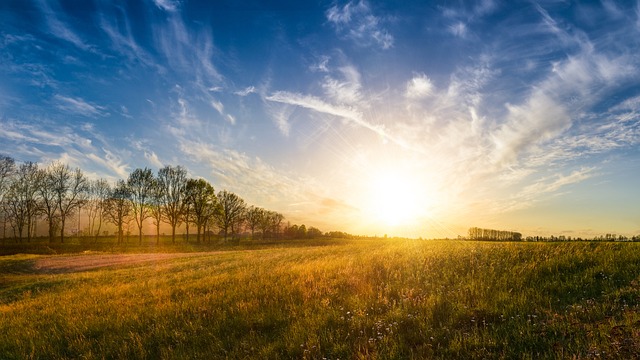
[408, 118]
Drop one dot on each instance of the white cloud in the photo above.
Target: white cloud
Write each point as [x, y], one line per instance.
[79, 106]
[167, 5]
[220, 109]
[153, 159]
[258, 182]
[246, 91]
[484, 7]
[60, 29]
[357, 22]
[112, 162]
[189, 52]
[281, 113]
[458, 29]
[419, 87]
[218, 106]
[322, 65]
[347, 90]
[612, 9]
[349, 113]
[537, 190]
[118, 28]
[539, 119]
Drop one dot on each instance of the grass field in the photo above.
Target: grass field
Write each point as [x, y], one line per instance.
[333, 299]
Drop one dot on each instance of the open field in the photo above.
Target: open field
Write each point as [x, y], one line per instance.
[392, 299]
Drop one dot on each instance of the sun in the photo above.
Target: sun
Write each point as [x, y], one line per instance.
[395, 199]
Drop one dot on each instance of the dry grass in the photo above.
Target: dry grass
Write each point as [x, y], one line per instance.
[347, 300]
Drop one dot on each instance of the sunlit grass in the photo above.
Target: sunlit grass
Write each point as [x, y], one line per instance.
[357, 299]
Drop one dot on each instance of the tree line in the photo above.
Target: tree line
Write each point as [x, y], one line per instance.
[498, 235]
[56, 193]
[476, 233]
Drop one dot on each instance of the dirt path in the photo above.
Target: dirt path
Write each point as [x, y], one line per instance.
[84, 262]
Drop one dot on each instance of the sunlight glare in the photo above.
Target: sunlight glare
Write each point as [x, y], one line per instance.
[396, 199]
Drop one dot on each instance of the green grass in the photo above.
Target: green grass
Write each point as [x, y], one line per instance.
[366, 299]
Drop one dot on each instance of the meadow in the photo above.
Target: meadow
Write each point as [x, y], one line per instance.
[322, 299]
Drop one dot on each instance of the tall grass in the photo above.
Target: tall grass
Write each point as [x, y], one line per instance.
[347, 300]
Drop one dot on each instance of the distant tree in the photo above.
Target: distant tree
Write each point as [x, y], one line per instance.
[313, 233]
[141, 184]
[187, 213]
[70, 188]
[302, 232]
[117, 208]
[172, 181]
[48, 200]
[271, 224]
[230, 214]
[476, 233]
[15, 207]
[155, 208]
[202, 198]
[99, 192]
[291, 231]
[7, 172]
[255, 216]
[22, 199]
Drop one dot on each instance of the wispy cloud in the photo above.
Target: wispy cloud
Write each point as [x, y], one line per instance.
[252, 178]
[188, 51]
[167, 5]
[61, 30]
[317, 104]
[218, 106]
[357, 22]
[540, 119]
[117, 26]
[246, 91]
[79, 106]
[539, 189]
[149, 155]
[281, 114]
[321, 65]
[346, 90]
[419, 86]
[78, 146]
[111, 162]
[458, 29]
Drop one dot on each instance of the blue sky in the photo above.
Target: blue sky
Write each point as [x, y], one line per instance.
[412, 118]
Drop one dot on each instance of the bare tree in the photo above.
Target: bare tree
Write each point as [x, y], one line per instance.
[230, 214]
[155, 208]
[203, 202]
[172, 181]
[7, 172]
[141, 183]
[70, 187]
[99, 192]
[16, 210]
[270, 223]
[22, 199]
[48, 200]
[117, 208]
[255, 216]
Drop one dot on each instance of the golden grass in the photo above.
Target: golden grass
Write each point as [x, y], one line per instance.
[392, 299]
